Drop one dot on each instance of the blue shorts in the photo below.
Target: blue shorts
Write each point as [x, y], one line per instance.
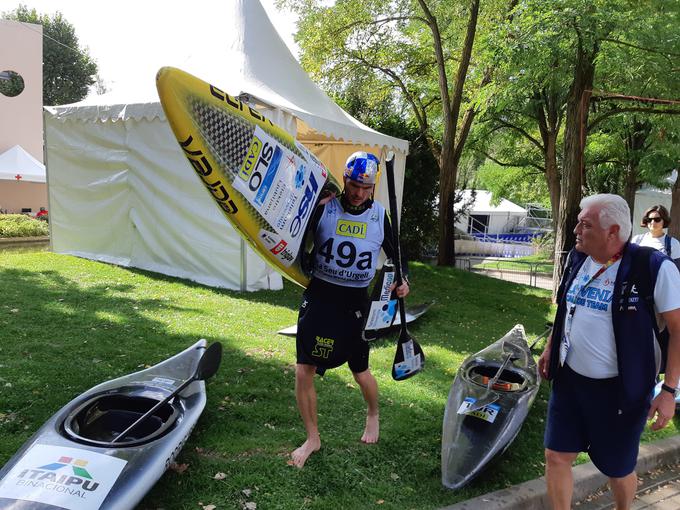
[583, 416]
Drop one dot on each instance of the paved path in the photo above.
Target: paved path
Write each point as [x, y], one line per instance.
[523, 277]
[658, 489]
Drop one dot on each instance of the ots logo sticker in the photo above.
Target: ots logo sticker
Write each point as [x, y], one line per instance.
[78, 466]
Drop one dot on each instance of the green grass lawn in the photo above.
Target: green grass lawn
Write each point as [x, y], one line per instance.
[536, 263]
[67, 324]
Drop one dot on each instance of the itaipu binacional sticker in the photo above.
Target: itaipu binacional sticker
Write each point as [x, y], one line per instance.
[71, 478]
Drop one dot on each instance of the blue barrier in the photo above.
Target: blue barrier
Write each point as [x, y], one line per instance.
[516, 238]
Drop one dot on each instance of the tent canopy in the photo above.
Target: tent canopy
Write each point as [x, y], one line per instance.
[122, 191]
[256, 62]
[18, 165]
[483, 204]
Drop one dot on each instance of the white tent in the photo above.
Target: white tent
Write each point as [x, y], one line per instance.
[22, 182]
[485, 217]
[121, 190]
[18, 165]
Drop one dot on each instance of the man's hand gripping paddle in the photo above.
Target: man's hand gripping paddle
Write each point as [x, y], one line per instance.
[409, 358]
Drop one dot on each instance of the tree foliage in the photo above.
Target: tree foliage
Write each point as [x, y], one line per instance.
[418, 228]
[416, 55]
[68, 69]
[11, 84]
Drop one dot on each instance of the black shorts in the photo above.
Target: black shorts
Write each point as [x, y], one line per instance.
[330, 322]
[584, 416]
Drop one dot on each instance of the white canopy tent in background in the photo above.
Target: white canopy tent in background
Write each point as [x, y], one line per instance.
[17, 164]
[488, 218]
[121, 190]
[22, 181]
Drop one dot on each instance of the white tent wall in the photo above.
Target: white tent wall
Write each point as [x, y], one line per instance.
[122, 192]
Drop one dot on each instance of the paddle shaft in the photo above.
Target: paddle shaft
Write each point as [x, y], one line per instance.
[389, 164]
[495, 378]
[155, 408]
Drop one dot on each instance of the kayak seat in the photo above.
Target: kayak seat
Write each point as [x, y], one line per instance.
[511, 379]
[101, 418]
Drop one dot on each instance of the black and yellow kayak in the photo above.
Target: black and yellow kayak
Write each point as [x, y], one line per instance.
[264, 181]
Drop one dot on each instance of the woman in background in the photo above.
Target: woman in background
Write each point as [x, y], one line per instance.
[656, 219]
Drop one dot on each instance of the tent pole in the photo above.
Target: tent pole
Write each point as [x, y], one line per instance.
[244, 265]
[47, 179]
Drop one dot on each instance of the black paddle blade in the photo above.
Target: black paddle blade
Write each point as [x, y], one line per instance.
[409, 358]
[210, 362]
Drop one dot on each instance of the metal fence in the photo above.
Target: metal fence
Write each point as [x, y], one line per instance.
[527, 273]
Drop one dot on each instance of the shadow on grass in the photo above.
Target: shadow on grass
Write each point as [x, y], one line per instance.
[61, 335]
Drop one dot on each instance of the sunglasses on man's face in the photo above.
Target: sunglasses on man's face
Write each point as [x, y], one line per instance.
[655, 219]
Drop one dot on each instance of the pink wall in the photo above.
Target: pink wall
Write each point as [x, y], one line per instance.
[21, 121]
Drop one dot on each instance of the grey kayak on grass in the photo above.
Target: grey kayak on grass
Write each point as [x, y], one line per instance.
[470, 439]
[75, 462]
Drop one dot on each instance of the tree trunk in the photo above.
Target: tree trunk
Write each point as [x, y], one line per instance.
[448, 170]
[674, 229]
[552, 175]
[547, 112]
[630, 186]
[574, 145]
[635, 148]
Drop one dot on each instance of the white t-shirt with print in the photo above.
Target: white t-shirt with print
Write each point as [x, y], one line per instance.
[659, 243]
[592, 350]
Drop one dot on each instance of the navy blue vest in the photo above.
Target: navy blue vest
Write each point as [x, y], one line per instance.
[633, 319]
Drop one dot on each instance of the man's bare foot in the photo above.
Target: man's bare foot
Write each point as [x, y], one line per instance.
[372, 430]
[300, 456]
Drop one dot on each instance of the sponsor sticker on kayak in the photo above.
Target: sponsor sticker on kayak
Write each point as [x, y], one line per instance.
[282, 188]
[486, 413]
[65, 477]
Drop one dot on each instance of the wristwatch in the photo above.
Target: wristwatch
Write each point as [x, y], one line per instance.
[669, 389]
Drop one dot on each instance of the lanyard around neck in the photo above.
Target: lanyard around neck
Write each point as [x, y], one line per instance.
[606, 266]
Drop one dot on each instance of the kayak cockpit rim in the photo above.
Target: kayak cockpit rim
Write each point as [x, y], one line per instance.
[510, 380]
[99, 420]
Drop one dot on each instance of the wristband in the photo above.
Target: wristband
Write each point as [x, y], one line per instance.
[669, 389]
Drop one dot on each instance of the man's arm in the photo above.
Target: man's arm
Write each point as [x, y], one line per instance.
[664, 404]
[544, 360]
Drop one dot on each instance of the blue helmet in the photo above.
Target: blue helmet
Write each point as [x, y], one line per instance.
[362, 167]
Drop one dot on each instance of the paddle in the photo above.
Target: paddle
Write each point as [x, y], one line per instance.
[409, 358]
[491, 396]
[207, 367]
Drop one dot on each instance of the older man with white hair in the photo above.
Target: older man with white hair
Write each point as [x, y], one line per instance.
[603, 356]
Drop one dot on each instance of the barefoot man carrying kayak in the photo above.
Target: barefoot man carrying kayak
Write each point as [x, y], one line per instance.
[348, 234]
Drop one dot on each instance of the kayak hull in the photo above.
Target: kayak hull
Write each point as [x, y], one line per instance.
[71, 461]
[471, 441]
